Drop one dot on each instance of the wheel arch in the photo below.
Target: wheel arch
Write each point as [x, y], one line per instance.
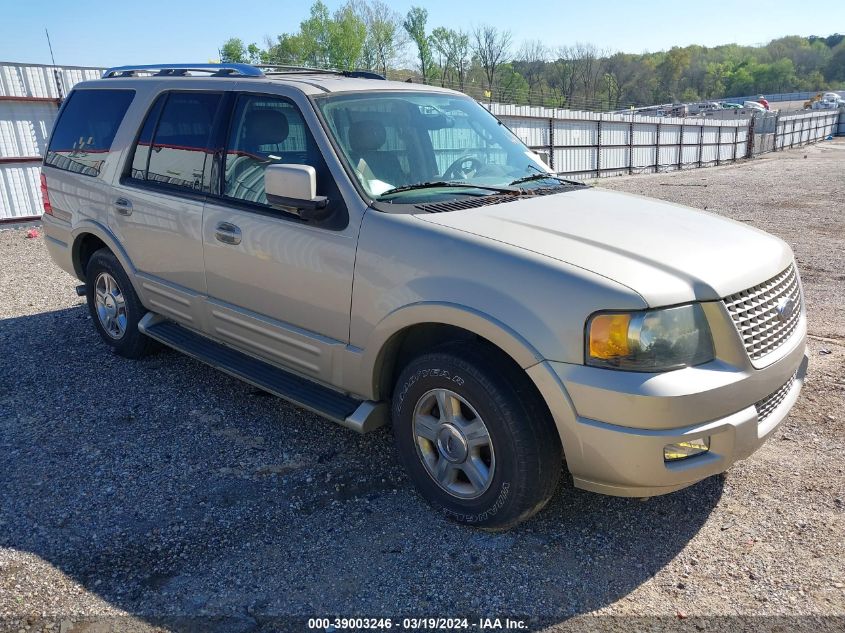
[88, 238]
[413, 329]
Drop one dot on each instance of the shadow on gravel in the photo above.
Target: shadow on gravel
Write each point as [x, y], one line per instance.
[193, 501]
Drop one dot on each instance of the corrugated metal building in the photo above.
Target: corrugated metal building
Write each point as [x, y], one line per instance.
[30, 95]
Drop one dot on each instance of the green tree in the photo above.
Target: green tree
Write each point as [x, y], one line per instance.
[415, 25]
[234, 51]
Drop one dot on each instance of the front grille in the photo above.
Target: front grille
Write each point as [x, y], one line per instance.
[756, 317]
[771, 402]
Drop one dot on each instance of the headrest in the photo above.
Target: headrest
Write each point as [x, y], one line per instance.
[265, 126]
[367, 136]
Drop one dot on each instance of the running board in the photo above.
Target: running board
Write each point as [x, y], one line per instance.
[362, 416]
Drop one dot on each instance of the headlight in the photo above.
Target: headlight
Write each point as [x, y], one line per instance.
[652, 340]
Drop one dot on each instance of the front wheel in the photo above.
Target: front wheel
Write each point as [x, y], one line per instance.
[474, 437]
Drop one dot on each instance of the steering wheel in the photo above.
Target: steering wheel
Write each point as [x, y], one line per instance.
[463, 169]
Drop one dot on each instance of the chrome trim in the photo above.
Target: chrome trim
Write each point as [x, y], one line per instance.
[219, 70]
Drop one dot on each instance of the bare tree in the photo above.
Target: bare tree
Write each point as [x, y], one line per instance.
[532, 57]
[385, 36]
[564, 74]
[590, 69]
[492, 48]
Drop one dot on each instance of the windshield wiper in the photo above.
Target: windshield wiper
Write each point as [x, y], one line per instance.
[447, 183]
[543, 176]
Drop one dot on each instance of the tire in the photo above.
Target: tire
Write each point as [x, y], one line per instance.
[513, 477]
[119, 327]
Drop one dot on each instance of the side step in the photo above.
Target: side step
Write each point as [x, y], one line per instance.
[361, 416]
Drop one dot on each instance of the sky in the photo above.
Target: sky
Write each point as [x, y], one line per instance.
[98, 33]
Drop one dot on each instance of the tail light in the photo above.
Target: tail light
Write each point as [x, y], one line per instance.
[45, 196]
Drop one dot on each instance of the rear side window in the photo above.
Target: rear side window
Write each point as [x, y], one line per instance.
[173, 145]
[85, 130]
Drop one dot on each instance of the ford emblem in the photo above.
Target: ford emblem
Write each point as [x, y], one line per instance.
[785, 308]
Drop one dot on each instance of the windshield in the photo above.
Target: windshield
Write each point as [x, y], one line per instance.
[396, 140]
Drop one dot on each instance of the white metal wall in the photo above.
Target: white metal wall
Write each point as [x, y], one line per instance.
[29, 100]
[590, 144]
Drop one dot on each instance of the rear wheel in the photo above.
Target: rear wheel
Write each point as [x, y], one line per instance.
[115, 308]
[473, 436]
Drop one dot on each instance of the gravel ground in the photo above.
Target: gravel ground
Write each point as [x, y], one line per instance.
[164, 494]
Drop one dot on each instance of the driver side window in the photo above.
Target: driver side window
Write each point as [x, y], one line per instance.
[267, 130]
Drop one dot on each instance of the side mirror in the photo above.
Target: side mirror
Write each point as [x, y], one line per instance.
[294, 188]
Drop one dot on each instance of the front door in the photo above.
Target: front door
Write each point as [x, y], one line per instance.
[278, 287]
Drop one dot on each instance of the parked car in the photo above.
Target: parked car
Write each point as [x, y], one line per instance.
[703, 107]
[753, 105]
[732, 106]
[830, 101]
[388, 252]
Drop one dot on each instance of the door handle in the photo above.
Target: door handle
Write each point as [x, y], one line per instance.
[123, 206]
[227, 233]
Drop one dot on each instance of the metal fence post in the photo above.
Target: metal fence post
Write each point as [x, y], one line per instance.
[700, 142]
[775, 140]
[735, 143]
[551, 143]
[749, 143]
[681, 146]
[598, 147]
[631, 145]
[657, 151]
[719, 146]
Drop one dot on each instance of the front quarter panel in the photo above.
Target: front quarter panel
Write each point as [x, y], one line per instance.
[534, 308]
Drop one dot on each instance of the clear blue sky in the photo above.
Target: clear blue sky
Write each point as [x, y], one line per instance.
[98, 33]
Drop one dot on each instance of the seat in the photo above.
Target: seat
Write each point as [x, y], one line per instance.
[247, 161]
[365, 141]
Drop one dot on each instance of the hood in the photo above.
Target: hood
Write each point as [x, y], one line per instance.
[667, 253]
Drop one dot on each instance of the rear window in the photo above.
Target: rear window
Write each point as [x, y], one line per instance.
[85, 130]
[173, 145]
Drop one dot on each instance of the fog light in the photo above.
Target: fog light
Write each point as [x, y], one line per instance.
[684, 450]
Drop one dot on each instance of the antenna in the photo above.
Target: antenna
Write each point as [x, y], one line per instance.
[56, 75]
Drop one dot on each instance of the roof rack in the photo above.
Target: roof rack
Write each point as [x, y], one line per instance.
[178, 70]
[282, 69]
[230, 70]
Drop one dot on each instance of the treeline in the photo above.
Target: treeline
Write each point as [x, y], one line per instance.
[486, 62]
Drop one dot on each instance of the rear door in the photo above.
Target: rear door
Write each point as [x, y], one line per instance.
[158, 203]
[279, 287]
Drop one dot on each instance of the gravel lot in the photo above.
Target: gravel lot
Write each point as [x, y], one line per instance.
[165, 494]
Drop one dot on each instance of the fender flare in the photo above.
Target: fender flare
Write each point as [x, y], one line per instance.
[102, 232]
[488, 327]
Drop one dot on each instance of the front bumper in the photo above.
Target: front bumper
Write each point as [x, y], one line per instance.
[614, 425]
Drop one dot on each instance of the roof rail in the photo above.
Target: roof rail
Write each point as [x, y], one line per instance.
[176, 70]
[276, 69]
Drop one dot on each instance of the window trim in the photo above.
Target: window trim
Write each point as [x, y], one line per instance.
[220, 113]
[61, 113]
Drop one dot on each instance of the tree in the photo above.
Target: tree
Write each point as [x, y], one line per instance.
[385, 36]
[459, 52]
[442, 51]
[835, 69]
[233, 51]
[492, 48]
[415, 24]
[531, 62]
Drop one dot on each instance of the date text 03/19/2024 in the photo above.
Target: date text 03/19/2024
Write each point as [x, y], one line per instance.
[416, 624]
